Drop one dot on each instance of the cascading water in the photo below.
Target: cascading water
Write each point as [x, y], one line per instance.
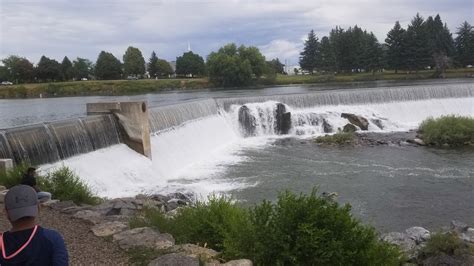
[193, 142]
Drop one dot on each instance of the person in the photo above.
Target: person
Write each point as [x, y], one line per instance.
[27, 243]
[29, 179]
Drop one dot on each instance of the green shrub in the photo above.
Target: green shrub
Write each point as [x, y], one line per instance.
[337, 139]
[296, 230]
[447, 243]
[13, 176]
[451, 130]
[64, 184]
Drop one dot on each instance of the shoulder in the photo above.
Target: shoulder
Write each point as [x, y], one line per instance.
[52, 236]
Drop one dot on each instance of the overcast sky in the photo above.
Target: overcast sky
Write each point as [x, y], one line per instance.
[83, 28]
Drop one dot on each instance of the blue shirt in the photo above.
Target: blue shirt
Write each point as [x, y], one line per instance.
[46, 248]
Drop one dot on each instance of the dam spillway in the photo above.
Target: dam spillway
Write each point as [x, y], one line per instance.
[54, 141]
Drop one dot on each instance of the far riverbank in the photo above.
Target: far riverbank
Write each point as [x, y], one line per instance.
[134, 87]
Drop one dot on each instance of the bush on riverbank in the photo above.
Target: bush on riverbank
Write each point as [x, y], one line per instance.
[296, 230]
[62, 183]
[451, 130]
[339, 138]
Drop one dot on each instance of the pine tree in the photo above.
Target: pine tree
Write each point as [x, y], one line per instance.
[66, 69]
[464, 44]
[394, 40]
[416, 51]
[153, 65]
[310, 57]
[372, 53]
[328, 62]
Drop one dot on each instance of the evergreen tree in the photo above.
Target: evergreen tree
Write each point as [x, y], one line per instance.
[328, 62]
[153, 65]
[276, 66]
[310, 57]
[464, 43]
[133, 62]
[372, 56]
[395, 40]
[66, 69]
[108, 66]
[48, 69]
[440, 43]
[416, 51]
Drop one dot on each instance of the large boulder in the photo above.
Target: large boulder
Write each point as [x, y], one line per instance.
[108, 228]
[327, 128]
[175, 259]
[406, 244]
[89, 216]
[195, 251]
[359, 121]
[247, 121]
[144, 237]
[419, 234]
[282, 119]
[349, 128]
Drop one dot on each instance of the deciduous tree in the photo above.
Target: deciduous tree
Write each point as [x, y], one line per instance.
[133, 62]
[108, 66]
[190, 64]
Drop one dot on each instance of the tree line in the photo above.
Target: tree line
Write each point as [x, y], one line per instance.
[424, 44]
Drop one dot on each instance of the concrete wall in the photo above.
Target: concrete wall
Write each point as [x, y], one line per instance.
[133, 119]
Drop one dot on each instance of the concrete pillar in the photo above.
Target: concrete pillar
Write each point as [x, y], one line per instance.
[133, 118]
[5, 165]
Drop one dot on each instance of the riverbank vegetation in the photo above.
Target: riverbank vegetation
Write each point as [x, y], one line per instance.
[352, 54]
[448, 130]
[295, 230]
[339, 138]
[62, 183]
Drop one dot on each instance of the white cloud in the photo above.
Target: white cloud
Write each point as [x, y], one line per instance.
[282, 49]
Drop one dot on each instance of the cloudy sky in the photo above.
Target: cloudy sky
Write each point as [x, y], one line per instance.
[83, 28]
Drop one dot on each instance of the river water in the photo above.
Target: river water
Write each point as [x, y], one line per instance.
[199, 147]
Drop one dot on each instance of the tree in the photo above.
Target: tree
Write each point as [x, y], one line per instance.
[416, 51]
[153, 65]
[67, 71]
[395, 40]
[277, 66]
[227, 68]
[464, 44]
[48, 69]
[440, 43]
[328, 62]
[133, 62]
[164, 68]
[255, 58]
[372, 57]
[108, 67]
[17, 69]
[310, 56]
[82, 68]
[190, 64]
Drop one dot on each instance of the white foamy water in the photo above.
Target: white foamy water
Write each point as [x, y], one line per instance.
[194, 156]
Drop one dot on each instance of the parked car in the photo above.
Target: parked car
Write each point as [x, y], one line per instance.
[83, 79]
[5, 83]
[132, 78]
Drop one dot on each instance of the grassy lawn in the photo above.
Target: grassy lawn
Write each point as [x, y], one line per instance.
[130, 87]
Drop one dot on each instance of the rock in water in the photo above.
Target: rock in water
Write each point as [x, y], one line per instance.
[282, 119]
[377, 122]
[349, 128]
[357, 120]
[419, 234]
[247, 121]
[327, 128]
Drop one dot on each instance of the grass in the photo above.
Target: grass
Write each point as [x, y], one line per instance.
[451, 130]
[62, 183]
[295, 230]
[131, 87]
[448, 244]
[339, 138]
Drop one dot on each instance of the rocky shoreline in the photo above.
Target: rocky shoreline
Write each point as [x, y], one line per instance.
[110, 219]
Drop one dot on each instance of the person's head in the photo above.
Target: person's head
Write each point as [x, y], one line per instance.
[31, 171]
[21, 204]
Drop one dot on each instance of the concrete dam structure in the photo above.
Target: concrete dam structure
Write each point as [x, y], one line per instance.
[133, 123]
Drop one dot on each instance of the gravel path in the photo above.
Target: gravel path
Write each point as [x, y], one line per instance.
[83, 246]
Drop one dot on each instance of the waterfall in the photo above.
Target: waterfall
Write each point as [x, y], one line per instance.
[359, 96]
[50, 142]
[165, 117]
